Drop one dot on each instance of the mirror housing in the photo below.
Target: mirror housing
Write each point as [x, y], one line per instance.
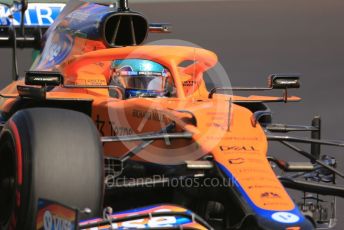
[284, 81]
[43, 78]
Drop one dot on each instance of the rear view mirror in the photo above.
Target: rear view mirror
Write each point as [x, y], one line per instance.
[284, 81]
[43, 78]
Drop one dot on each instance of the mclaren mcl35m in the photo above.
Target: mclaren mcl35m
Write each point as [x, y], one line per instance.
[104, 132]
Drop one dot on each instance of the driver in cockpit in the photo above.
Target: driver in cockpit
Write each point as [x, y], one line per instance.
[140, 78]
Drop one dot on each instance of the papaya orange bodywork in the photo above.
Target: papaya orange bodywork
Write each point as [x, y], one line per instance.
[224, 129]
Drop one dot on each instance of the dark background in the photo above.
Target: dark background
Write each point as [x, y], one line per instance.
[255, 38]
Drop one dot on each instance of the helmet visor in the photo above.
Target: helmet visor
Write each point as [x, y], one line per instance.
[149, 81]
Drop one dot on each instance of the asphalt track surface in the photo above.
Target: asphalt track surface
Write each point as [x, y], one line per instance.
[258, 37]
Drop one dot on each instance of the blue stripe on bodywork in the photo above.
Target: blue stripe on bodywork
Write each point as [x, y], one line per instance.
[262, 213]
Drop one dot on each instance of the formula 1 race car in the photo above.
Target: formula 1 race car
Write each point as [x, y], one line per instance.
[104, 132]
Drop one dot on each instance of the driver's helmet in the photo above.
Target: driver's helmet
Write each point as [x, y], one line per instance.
[140, 77]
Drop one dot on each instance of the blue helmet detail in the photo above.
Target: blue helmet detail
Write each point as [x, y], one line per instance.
[136, 67]
[140, 77]
[145, 93]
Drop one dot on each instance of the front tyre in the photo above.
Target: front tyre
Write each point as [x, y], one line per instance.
[53, 154]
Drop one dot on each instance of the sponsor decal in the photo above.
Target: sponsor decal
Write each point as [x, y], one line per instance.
[54, 216]
[154, 222]
[120, 131]
[149, 115]
[112, 129]
[217, 125]
[96, 82]
[255, 160]
[168, 221]
[261, 186]
[253, 170]
[52, 222]
[37, 14]
[260, 179]
[248, 148]
[269, 204]
[189, 83]
[285, 217]
[269, 195]
[138, 73]
[230, 138]
[236, 161]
